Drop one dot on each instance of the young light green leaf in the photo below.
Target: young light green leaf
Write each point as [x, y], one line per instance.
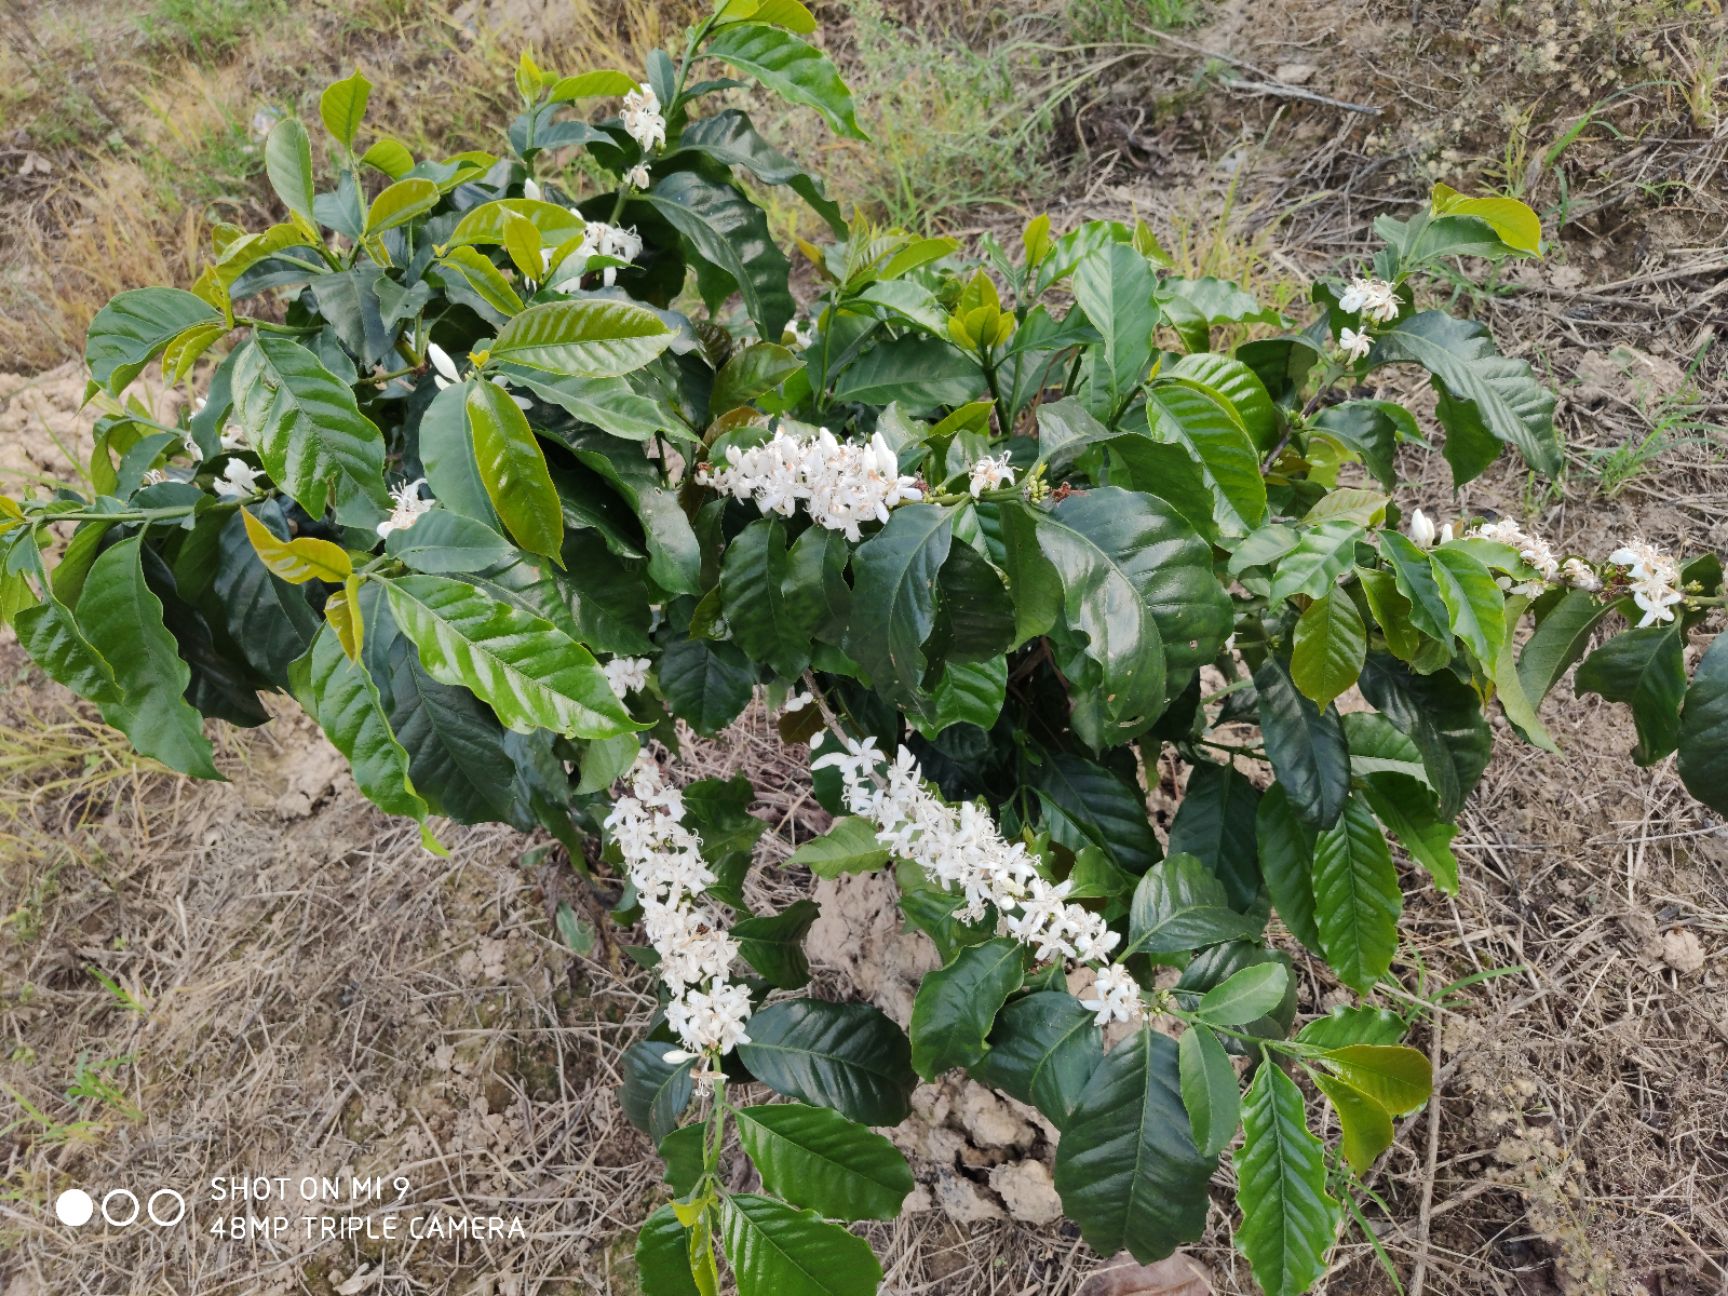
[299, 560]
[815, 1157]
[288, 163]
[1397, 1077]
[343, 107]
[400, 203]
[1288, 1218]
[1475, 607]
[1330, 647]
[1365, 1125]
[1321, 555]
[1245, 996]
[590, 338]
[513, 469]
[849, 846]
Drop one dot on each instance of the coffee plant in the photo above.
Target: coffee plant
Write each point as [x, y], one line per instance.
[525, 466]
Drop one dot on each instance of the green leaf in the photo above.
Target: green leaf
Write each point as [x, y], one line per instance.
[1509, 687]
[1210, 1090]
[596, 337]
[774, 945]
[1442, 716]
[1517, 226]
[663, 1256]
[816, 1158]
[400, 203]
[655, 1092]
[1215, 824]
[455, 745]
[1127, 1169]
[1113, 286]
[1245, 996]
[1286, 847]
[1377, 746]
[1365, 1125]
[707, 684]
[1138, 583]
[530, 672]
[956, 1006]
[849, 846]
[1415, 579]
[1400, 1079]
[49, 632]
[1475, 607]
[122, 620]
[751, 372]
[778, 1251]
[1185, 415]
[1086, 804]
[1239, 387]
[513, 469]
[299, 560]
[731, 233]
[1304, 744]
[1321, 555]
[309, 432]
[391, 156]
[848, 1056]
[1503, 394]
[894, 575]
[1646, 669]
[792, 69]
[446, 449]
[1178, 906]
[682, 1149]
[486, 280]
[1330, 647]
[771, 614]
[1043, 1051]
[343, 699]
[1356, 897]
[1390, 610]
[343, 108]
[1704, 730]
[729, 138]
[1288, 1220]
[1406, 808]
[965, 693]
[132, 329]
[1559, 639]
[444, 543]
[1353, 1024]
[610, 404]
[288, 163]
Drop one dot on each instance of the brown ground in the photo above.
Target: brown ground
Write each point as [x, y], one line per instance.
[289, 986]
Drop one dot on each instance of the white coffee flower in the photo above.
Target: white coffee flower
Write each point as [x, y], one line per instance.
[407, 507]
[531, 190]
[239, 480]
[620, 243]
[1422, 532]
[989, 472]
[1115, 995]
[642, 119]
[1655, 580]
[153, 477]
[1373, 299]
[796, 703]
[444, 367]
[637, 176]
[234, 439]
[1532, 549]
[626, 674]
[803, 334]
[1354, 344]
[841, 484]
[1580, 575]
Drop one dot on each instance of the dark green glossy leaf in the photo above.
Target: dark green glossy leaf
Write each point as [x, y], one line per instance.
[132, 329]
[774, 945]
[1704, 730]
[1113, 285]
[1215, 824]
[1444, 719]
[663, 1256]
[1184, 415]
[796, 71]
[1180, 905]
[1561, 635]
[1245, 996]
[1210, 1090]
[956, 1006]
[728, 137]
[1646, 669]
[1286, 846]
[707, 684]
[655, 1092]
[444, 543]
[847, 1056]
[730, 232]
[1474, 605]
[771, 613]
[49, 633]
[1415, 581]
[1127, 1169]
[1305, 745]
[1043, 1051]
[776, 1250]
[815, 1157]
[894, 573]
[1322, 554]
[1086, 804]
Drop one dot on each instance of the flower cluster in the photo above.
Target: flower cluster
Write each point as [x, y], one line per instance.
[1655, 580]
[643, 121]
[961, 850]
[239, 481]
[989, 472]
[408, 507]
[616, 242]
[841, 483]
[1532, 549]
[707, 1011]
[626, 674]
[1373, 299]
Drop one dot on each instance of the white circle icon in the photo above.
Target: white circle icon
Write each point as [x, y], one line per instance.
[74, 1208]
[171, 1195]
[109, 1216]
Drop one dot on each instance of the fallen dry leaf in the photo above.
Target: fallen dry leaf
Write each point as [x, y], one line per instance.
[1682, 951]
[1176, 1275]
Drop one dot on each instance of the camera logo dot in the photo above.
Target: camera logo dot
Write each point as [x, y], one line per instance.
[74, 1208]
